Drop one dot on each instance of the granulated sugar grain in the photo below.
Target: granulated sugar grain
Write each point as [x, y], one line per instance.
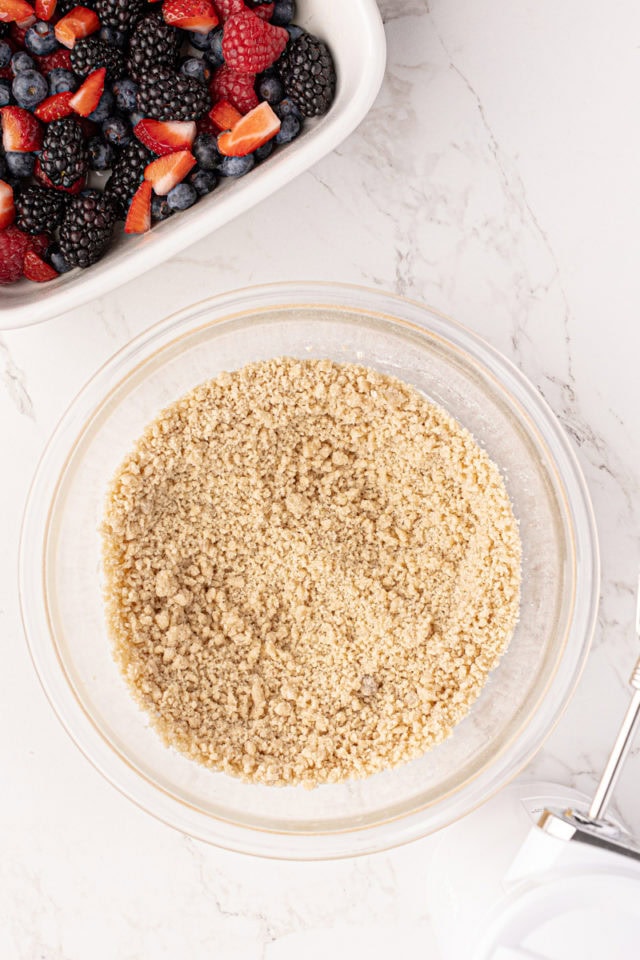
[311, 571]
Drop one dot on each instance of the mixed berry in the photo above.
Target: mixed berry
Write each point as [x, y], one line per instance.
[132, 110]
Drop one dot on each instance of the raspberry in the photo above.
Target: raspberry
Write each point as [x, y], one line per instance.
[250, 44]
[237, 88]
[13, 246]
[227, 8]
[51, 61]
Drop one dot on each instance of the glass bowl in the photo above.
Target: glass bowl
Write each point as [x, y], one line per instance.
[61, 576]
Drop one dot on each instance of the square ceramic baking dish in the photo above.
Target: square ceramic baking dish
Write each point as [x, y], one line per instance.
[355, 34]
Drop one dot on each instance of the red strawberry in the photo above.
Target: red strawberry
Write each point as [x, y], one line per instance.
[55, 107]
[60, 58]
[165, 172]
[224, 115]
[78, 23]
[166, 136]
[35, 268]
[45, 9]
[42, 178]
[7, 209]
[251, 132]
[21, 132]
[237, 88]
[264, 11]
[139, 215]
[15, 11]
[227, 8]
[250, 44]
[196, 15]
[87, 97]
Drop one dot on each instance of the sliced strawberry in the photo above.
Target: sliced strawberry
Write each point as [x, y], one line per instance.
[165, 172]
[166, 136]
[45, 9]
[21, 132]
[78, 23]
[237, 88]
[42, 178]
[224, 115]
[264, 11]
[55, 107]
[252, 131]
[139, 215]
[87, 97]
[195, 15]
[15, 11]
[35, 268]
[50, 61]
[7, 208]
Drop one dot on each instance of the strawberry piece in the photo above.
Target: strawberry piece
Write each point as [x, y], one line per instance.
[252, 131]
[35, 268]
[55, 107]
[264, 11]
[78, 23]
[21, 132]
[87, 97]
[139, 214]
[16, 11]
[250, 44]
[165, 172]
[45, 9]
[195, 15]
[224, 115]
[227, 8]
[237, 88]
[7, 208]
[50, 61]
[165, 136]
[42, 178]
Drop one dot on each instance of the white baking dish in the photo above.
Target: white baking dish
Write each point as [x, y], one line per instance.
[355, 34]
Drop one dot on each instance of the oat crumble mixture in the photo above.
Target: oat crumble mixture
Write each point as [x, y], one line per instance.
[310, 572]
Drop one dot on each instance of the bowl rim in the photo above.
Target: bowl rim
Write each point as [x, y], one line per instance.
[50, 473]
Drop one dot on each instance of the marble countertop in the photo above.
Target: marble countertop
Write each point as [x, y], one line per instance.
[496, 178]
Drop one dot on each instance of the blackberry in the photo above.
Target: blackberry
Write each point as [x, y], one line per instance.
[121, 14]
[86, 228]
[65, 6]
[87, 55]
[126, 175]
[64, 152]
[4, 29]
[39, 210]
[153, 48]
[308, 74]
[173, 98]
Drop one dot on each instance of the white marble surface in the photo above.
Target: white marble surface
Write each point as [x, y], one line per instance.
[497, 179]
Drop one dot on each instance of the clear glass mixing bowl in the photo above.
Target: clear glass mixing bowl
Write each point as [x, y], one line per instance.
[61, 578]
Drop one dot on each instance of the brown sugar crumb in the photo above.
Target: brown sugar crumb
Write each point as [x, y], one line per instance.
[310, 572]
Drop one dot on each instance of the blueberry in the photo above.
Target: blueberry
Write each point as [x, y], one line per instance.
[160, 208]
[200, 41]
[21, 61]
[283, 13]
[115, 37]
[135, 117]
[182, 196]
[197, 68]
[101, 154]
[204, 181]
[5, 54]
[117, 131]
[61, 80]
[289, 129]
[54, 256]
[29, 88]
[287, 107]
[271, 89]
[294, 31]
[104, 108]
[236, 166]
[264, 151]
[5, 93]
[20, 164]
[3, 167]
[213, 54]
[125, 92]
[205, 150]
[40, 39]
